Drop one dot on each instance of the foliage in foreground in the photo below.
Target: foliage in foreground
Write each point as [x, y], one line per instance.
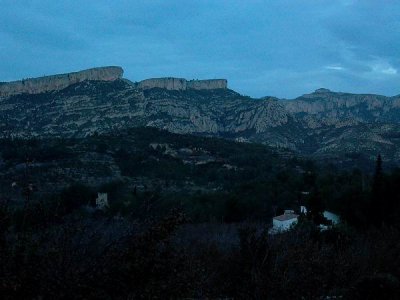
[97, 257]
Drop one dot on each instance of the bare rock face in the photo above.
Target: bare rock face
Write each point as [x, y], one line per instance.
[181, 84]
[169, 83]
[326, 108]
[58, 82]
[210, 84]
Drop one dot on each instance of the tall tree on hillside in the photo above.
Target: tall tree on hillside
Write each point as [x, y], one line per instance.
[316, 208]
[393, 198]
[377, 207]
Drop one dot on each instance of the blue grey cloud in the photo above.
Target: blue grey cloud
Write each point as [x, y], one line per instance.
[282, 48]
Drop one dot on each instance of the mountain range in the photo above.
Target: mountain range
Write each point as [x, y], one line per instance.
[322, 124]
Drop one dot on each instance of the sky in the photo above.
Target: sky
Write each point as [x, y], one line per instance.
[276, 48]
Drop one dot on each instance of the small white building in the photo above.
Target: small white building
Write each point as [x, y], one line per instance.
[334, 218]
[102, 201]
[284, 222]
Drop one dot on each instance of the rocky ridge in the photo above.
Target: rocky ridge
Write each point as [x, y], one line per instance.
[332, 108]
[322, 123]
[181, 84]
[58, 82]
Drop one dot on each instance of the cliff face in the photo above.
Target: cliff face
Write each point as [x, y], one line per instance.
[61, 81]
[181, 84]
[58, 82]
[207, 84]
[169, 83]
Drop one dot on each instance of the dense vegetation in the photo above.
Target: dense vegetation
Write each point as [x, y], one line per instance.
[189, 218]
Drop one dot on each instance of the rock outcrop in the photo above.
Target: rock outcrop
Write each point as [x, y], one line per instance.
[169, 83]
[61, 81]
[210, 84]
[324, 107]
[181, 84]
[58, 82]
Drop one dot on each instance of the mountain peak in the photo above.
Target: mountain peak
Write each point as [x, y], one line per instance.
[322, 91]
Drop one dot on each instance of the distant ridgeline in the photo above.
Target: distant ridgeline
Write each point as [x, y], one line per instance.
[58, 82]
[61, 81]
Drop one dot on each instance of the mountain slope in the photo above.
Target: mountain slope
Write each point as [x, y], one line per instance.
[99, 106]
[324, 107]
[144, 157]
[320, 124]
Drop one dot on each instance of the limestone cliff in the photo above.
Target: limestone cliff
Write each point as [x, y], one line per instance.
[58, 82]
[61, 81]
[181, 84]
[210, 84]
[168, 83]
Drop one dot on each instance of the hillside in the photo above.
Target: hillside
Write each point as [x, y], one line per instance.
[207, 176]
[177, 168]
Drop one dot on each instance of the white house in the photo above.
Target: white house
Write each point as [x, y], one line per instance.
[283, 222]
[334, 218]
[102, 201]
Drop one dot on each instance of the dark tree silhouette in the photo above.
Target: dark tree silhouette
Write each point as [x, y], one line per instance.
[377, 207]
[316, 208]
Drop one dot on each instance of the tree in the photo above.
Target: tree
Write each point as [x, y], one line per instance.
[377, 207]
[316, 208]
[4, 221]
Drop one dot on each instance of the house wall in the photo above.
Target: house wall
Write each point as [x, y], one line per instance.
[332, 217]
[283, 225]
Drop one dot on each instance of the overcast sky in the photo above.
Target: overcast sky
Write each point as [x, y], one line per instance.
[280, 48]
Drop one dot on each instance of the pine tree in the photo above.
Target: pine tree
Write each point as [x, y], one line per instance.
[377, 207]
[378, 176]
[316, 208]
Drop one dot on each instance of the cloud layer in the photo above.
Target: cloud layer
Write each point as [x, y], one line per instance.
[281, 48]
